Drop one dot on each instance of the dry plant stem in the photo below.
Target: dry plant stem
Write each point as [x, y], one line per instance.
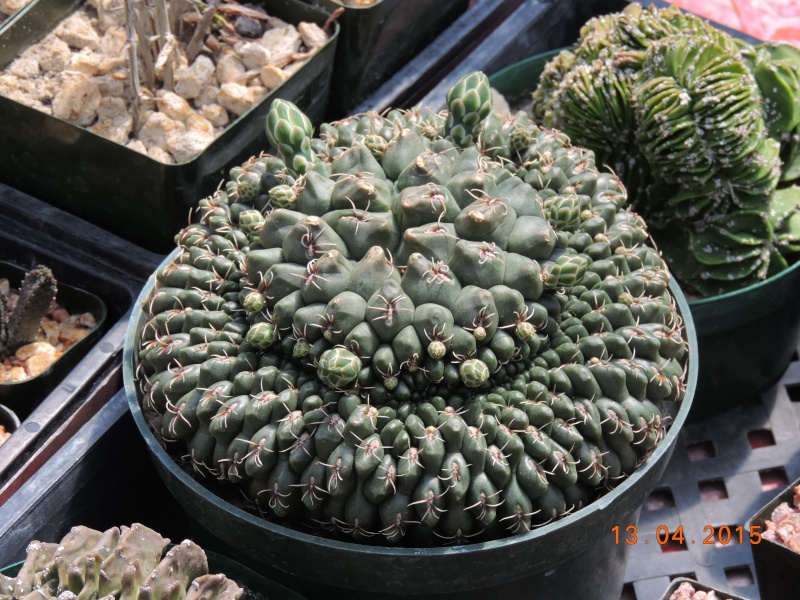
[330, 20]
[203, 28]
[167, 45]
[141, 22]
[133, 65]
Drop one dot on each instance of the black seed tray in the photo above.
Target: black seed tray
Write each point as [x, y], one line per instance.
[93, 260]
[723, 470]
[101, 477]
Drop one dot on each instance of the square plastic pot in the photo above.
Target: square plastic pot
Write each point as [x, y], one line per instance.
[378, 39]
[777, 567]
[698, 587]
[108, 270]
[124, 191]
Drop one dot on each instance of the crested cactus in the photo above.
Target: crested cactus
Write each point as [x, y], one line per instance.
[436, 341]
[19, 326]
[126, 563]
[702, 128]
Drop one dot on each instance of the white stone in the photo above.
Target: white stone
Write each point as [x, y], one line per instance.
[110, 13]
[190, 81]
[272, 76]
[197, 122]
[25, 67]
[312, 34]
[208, 95]
[110, 86]
[160, 155]
[190, 144]
[113, 42]
[158, 129]
[253, 54]
[77, 31]
[172, 105]
[112, 108]
[53, 54]
[294, 67]
[137, 146]
[229, 68]
[237, 98]
[282, 43]
[77, 100]
[9, 7]
[117, 130]
[216, 114]
[86, 61]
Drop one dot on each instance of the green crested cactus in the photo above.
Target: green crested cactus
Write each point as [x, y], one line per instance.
[702, 128]
[121, 563]
[456, 336]
[20, 325]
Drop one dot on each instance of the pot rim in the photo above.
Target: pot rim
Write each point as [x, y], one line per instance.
[10, 414]
[602, 503]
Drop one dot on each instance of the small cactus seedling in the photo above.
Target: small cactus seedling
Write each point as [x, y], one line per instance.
[19, 326]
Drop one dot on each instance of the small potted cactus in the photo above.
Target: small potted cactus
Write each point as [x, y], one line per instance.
[136, 105]
[776, 556]
[129, 563]
[688, 589]
[702, 128]
[45, 328]
[403, 335]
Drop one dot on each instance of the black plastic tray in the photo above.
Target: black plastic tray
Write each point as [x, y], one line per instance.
[128, 193]
[777, 567]
[378, 39]
[93, 260]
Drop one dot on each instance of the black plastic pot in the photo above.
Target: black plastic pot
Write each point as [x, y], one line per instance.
[572, 558]
[125, 192]
[747, 337]
[699, 587]
[88, 258]
[777, 567]
[255, 585]
[378, 39]
[21, 396]
[8, 419]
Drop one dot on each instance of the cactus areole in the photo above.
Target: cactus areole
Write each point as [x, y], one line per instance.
[414, 329]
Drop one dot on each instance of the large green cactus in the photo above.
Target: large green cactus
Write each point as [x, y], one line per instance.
[126, 563]
[702, 128]
[431, 340]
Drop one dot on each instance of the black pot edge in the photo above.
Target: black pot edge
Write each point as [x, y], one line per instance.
[159, 454]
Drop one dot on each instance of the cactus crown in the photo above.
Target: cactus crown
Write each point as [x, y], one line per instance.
[19, 326]
[424, 336]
